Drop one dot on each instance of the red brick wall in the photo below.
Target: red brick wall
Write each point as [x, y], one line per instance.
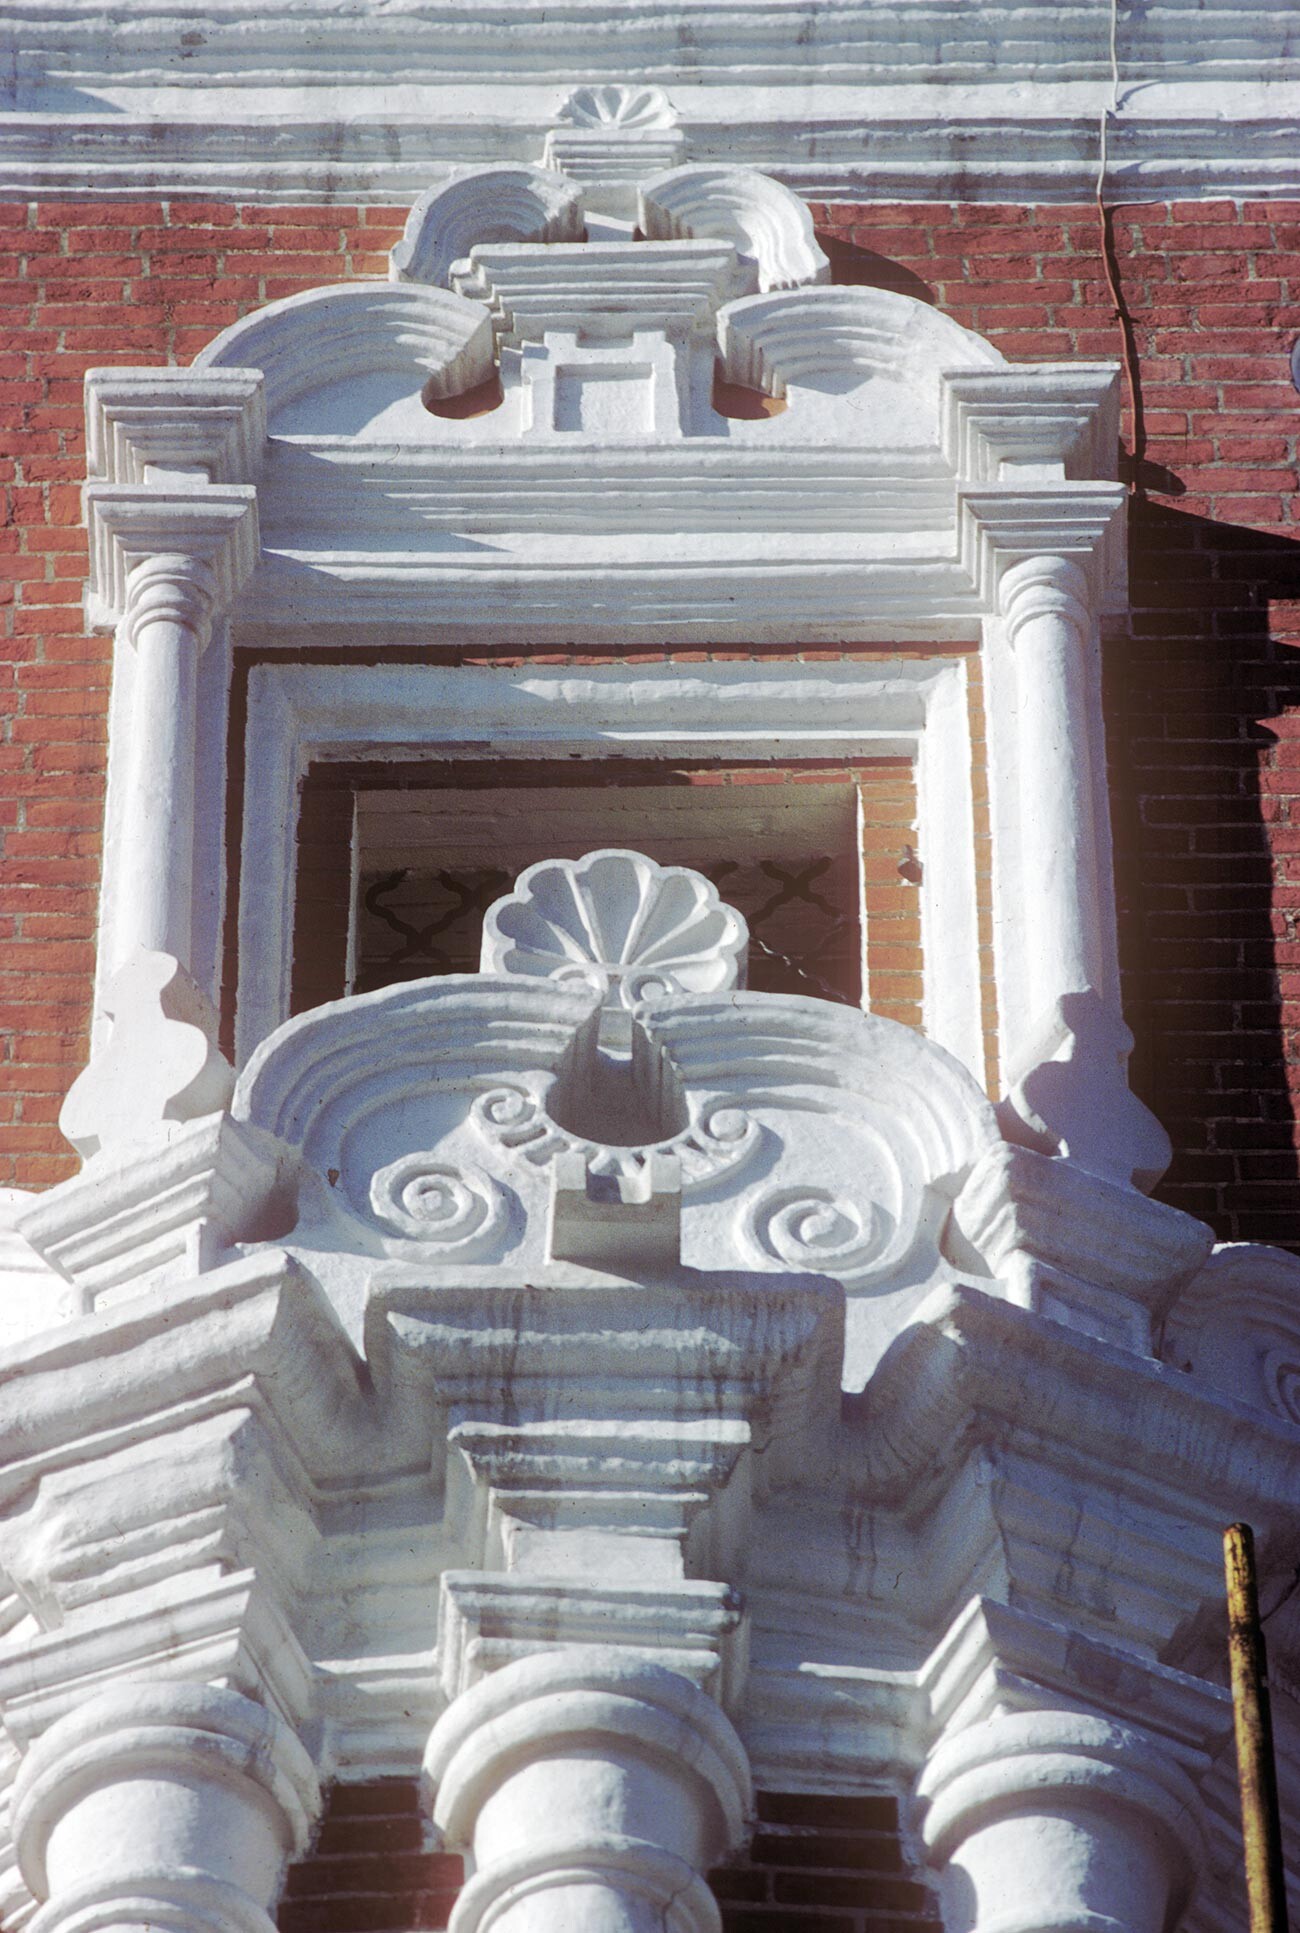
[1202, 690]
[817, 1864]
[88, 284]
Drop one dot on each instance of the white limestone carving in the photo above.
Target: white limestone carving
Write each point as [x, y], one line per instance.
[1070, 1094]
[204, 528]
[604, 289]
[562, 313]
[160, 1063]
[162, 1197]
[768, 226]
[1049, 623]
[1236, 1325]
[836, 1141]
[695, 1628]
[1019, 420]
[468, 1297]
[167, 558]
[632, 931]
[349, 1106]
[172, 1805]
[1077, 1247]
[618, 1222]
[460, 1209]
[622, 109]
[717, 1139]
[868, 1132]
[485, 205]
[804, 1226]
[568, 1429]
[326, 338]
[593, 1790]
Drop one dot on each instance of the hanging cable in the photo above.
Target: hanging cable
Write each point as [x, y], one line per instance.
[1110, 264]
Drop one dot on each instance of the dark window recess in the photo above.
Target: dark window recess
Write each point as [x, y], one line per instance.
[817, 1864]
[802, 915]
[784, 852]
[398, 863]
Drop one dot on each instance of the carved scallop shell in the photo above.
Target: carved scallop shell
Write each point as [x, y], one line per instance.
[629, 928]
[619, 107]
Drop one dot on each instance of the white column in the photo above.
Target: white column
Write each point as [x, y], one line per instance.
[162, 1809]
[1044, 602]
[1060, 1822]
[595, 1790]
[171, 600]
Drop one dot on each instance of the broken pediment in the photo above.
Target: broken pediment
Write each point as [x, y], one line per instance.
[583, 1107]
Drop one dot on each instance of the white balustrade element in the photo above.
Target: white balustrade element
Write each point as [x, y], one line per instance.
[173, 1808]
[159, 1065]
[595, 1790]
[1060, 1822]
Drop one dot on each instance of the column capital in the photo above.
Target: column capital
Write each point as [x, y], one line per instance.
[171, 588]
[1035, 1758]
[1047, 586]
[1003, 525]
[144, 424]
[214, 525]
[170, 1806]
[628, 1825]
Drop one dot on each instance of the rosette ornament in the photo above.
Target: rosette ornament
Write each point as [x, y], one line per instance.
[615, 921]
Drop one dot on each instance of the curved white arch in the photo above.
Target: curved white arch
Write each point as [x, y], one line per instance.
[343, 1060]
[767, 224]
[354, 329]
[768, 341]
[777, 1042]
[490, 205]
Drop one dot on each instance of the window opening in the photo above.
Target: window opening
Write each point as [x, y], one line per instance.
[785, 855]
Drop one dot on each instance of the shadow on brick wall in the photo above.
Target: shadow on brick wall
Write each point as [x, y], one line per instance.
[1203, 710]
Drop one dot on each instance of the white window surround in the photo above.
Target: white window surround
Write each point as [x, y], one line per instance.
[291, 493]
[301, 714]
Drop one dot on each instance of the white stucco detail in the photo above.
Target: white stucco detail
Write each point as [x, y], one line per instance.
[593, 1791]
[859, 102]
[588, 1346]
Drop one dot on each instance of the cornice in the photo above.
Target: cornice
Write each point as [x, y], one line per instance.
[853, 135]
[975, 1368]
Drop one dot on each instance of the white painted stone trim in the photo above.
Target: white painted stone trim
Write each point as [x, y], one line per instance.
[1185, 126]
[592, 1789]
[911, 708]
[177, 1804]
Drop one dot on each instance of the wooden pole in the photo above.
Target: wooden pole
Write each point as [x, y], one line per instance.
[1261, 1825]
